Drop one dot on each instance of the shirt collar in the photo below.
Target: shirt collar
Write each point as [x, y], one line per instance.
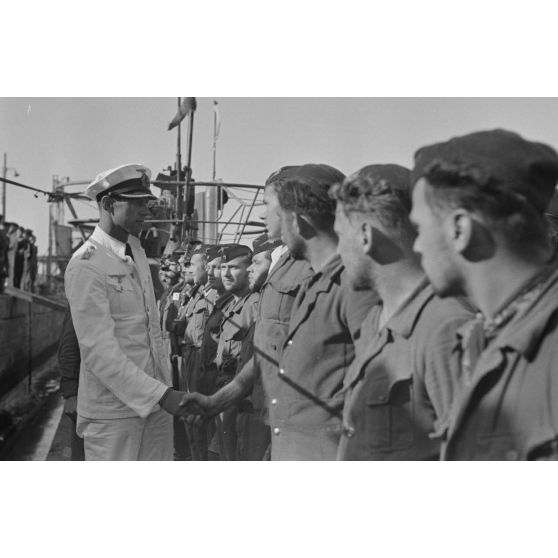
[110, 243]
[329, 271]
[237, 302]
[237, 305]
[330, 265]
[525, 330]
[276, 255]
[463, 332]
[405, 317]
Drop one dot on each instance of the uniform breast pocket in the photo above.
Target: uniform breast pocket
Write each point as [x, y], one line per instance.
[388, 408]
[123, 298]
[277, 304]
[199, 316]
[196, 324]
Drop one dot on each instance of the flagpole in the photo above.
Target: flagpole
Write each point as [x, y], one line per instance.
[212, 194]
[214, 140]
[190, 136]
[216, 128]
[189, 164]
[179, 190]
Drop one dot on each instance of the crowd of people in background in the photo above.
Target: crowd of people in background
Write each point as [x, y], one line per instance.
[18, 257]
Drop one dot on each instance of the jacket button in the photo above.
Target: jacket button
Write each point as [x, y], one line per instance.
[349, 431]
[512, 455]
[274, 401]
[281, 371]
[276, 431]
[290, 342]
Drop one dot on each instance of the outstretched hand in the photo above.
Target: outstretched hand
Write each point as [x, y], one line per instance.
[171, 402]
[194, 405]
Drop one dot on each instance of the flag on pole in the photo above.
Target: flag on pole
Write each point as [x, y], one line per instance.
[187, 106]
[217, 121]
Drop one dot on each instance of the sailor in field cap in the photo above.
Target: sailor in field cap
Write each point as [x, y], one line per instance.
[478, 204]
[124, 396]
[230, 252]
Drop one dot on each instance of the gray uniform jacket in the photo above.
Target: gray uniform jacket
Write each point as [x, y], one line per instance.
[508, 406]
[403, 380]
[306, 397]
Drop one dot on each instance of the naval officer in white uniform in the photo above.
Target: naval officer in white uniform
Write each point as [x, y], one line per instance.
[124, 398]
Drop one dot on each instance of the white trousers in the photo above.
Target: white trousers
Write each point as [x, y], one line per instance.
[128, 439]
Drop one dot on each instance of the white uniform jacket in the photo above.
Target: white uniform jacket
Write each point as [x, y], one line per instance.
[123, 369]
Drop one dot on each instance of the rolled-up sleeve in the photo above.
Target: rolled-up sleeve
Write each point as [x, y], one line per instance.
[101, 353]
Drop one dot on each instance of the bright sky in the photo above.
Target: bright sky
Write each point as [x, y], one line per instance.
[79, 137]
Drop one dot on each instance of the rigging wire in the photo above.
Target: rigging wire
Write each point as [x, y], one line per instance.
[36, 190]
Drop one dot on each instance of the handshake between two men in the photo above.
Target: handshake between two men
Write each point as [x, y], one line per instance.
[188, 406]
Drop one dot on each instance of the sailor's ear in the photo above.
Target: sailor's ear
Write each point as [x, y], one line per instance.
[365, 237]
[470, 236]
[305, 227]
[107, 204]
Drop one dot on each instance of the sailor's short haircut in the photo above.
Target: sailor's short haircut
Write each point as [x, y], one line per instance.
[307, 193]
[380, 190]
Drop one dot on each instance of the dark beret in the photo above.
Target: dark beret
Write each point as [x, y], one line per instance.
[497, 157]
[263, 244]
[213, 251]
[231, 251]
[176, 254]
